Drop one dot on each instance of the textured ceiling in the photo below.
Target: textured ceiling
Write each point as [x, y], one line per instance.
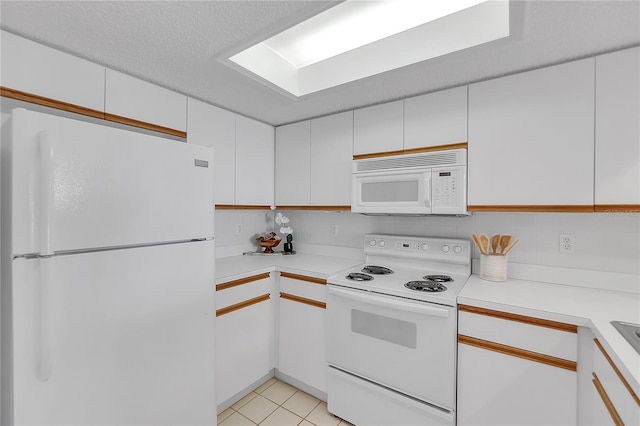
[176, 44]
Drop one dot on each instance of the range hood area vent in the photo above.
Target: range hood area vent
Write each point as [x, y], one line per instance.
[444, 158]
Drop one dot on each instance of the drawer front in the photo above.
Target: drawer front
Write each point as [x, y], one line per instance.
[521, 332]
[242, 292]
[307, 287]
[621, 397]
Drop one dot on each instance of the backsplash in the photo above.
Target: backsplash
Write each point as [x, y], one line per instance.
[603, 241]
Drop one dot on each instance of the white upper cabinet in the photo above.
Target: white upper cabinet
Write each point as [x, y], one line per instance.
[531, 139]
[618, 128]
[292, 164]
[331, 158]
[39, 70]
[254, 162]
[434, 119]
[129, 97]
[215, 127]
[378, 128]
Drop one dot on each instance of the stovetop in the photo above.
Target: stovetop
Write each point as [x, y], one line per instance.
[411, 260]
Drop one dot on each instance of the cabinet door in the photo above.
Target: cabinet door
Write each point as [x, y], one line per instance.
[301, 345]
[531, 139]
[39, 70]
[292, 164]
[378, 128]
[434, 119]
[254, 162]
[331, 158]
[618, 129]
[244, 336]
[215, 127]
[131, 98]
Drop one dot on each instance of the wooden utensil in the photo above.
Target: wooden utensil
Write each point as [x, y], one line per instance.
[494, 243]
[515, 243]
[484, 240]
[477, 242]
[504, 242]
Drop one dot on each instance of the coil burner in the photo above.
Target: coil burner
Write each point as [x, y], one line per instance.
[427, 286]
[356, 276]
[377, 270]
[438, 278]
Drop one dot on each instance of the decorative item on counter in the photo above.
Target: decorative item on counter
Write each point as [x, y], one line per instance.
[493, 255]
[285, 229]
[268, 241]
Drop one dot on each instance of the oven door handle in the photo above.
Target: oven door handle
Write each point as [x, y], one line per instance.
[390, 302]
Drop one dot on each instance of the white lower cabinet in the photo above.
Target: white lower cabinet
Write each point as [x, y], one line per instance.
[301, 340]
[515, 370]
[244, 337]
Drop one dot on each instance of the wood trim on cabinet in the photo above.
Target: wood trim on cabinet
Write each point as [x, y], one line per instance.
[225, 207]
[520, 353]
[304, 300]
[607, 401]
[144, 125]
[460, 145]
[319, 208]
[243, 304]
[48, 102]
[622, 379]
[577, 208]
[617, 208]
[569, 328]
[234, 283]
[250, 207]
[314, 280]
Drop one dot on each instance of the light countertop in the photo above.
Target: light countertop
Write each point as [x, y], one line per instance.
[593, 308]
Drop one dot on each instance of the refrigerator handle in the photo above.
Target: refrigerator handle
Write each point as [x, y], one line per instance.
[45, 338]
[46, 192]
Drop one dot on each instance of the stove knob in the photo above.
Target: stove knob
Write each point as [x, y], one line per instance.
[382, 243]
[372, 243]
[445, 248]
[424, 246]
[457, 249]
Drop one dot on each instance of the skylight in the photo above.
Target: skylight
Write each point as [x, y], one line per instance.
[356, 39]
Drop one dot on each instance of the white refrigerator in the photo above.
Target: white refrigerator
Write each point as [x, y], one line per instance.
[107, 276]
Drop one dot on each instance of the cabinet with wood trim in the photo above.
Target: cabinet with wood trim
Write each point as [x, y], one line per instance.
[436, 119]
[245, 318]
[301, 339]
[531, 140]
[39, 74]
[215, 127]
[135, 102]
[617, 175]
[612, 399]
[515, 369]
[379, 129]
[254, 163]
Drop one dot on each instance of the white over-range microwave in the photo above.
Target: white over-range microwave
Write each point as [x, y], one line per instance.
[413, 184]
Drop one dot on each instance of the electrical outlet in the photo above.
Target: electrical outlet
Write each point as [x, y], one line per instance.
[333, 230]
[567, 243]
[238, 229]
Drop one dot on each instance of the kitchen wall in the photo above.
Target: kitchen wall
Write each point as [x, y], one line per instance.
[603, 241]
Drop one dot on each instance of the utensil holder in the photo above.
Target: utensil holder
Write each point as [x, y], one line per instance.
[493, 267]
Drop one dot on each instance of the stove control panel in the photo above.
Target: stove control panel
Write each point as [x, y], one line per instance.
[422, 247]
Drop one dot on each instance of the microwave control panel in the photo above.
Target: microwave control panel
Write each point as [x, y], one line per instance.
[448, 189]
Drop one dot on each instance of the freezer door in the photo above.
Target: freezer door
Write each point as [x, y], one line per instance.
[78, 185]
[114, 338]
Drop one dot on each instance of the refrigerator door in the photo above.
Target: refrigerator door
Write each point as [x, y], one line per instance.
[80, 186]
[116, 337]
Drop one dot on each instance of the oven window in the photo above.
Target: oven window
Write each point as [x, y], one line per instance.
[391, 330]
[390, 191]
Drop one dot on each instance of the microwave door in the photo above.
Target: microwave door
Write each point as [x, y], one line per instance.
[392, 192]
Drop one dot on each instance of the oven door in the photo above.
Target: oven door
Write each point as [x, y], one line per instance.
[405, 345]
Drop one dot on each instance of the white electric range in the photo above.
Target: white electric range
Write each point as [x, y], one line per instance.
[391, 331]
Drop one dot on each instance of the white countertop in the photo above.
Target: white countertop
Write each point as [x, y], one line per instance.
[235, 267]
[581, 306]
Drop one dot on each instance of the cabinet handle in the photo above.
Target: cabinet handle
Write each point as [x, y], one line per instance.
[517, 352]
[246, 303]
[607, 402]
[569, 328]
[304, 300]
[303, 278]
[622, 379]
[241, 281]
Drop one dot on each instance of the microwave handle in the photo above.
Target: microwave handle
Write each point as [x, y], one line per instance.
[426, 189]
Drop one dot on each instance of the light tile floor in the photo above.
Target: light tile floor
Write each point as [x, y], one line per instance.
[276, 403]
